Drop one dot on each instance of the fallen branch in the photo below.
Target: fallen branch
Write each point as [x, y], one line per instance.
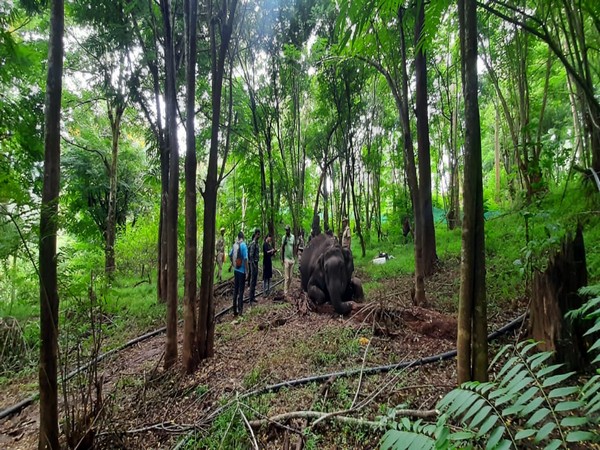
[275, 420]
[255, 444]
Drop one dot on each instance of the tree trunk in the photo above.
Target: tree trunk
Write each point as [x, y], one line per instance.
[554, 293]
[173, 195]
[428, 230]
[115, 114]
[190, 353]
[162, 227]
[271, 197]
[472, 315]
[206, 326]
[48, 435]
[411, 170]
[497, 155]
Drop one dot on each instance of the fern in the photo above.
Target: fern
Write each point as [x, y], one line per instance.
[529, 403]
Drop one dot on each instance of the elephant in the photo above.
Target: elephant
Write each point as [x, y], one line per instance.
[326, 274]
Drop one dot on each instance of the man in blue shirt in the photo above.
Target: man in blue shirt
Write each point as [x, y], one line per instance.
[239, 260]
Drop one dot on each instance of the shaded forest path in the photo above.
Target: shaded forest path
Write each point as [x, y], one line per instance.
[145, 407]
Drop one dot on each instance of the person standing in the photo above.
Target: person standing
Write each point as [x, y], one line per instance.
[268, 252]
[287, 258]
[220, 256]
[239, 261]
[346, 236]
[300, 246]
[253, 258]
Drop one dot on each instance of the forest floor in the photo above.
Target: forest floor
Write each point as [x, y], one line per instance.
[145, 407]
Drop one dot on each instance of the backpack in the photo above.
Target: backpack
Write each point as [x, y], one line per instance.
[236, 256]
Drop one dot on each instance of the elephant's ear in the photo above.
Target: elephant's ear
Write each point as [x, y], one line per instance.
[349, 261]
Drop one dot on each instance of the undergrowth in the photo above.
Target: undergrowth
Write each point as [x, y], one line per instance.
[531, 402]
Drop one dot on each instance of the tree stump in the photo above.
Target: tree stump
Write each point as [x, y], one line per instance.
[554, 293]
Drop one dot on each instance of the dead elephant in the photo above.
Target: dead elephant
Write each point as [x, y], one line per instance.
[326, 274]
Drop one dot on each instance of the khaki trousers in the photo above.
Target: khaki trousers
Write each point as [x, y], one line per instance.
[288, 269]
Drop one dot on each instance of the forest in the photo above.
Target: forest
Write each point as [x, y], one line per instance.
[447, 152]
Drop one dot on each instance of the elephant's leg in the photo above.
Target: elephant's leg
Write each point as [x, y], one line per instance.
[357, 289]
[315, 293]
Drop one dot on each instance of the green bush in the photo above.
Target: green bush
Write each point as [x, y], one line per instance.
[529, 404]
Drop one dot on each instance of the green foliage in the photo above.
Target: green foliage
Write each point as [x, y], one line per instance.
[253, 378]
[86, 168]
[334, 346]
[135, 248]
[530, 403]
[402, 262]
[228, 430]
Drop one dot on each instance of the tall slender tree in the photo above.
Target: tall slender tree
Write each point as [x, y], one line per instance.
[49, 300]
[190, 353]
[173, 194]
[221, 16]
[427, 231]
[472, 311]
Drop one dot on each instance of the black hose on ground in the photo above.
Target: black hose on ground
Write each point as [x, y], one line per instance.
[365, 371]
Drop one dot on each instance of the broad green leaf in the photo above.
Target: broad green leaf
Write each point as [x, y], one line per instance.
[554, 444]
[538, 359]
[475, 408]
[568, 406]
[556, 379]
[516, 387]
[573, 421]
[525, 350]
[507, 366]
[580, 436]
[527, 395]
[545, 431]
[495, 437]
[394, 439]
[480, 416]
[516, 370]
[505, 444]
[497, 393]
[537, 416]
[461, 436]
[523, 434]
[562, 392]
[595, 346]
[441, 434]
[487, 425]
[500, 354]
[592, 385]
[594, 329]
[466, 402]
[593, 405]
[549, 369]
[532, 406]
[504, 399]
[512, 410]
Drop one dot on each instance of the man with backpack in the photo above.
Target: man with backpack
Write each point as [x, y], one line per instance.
[239, 260]
[253, 257]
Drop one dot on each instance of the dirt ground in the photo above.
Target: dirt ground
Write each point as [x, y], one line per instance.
[276, 341]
